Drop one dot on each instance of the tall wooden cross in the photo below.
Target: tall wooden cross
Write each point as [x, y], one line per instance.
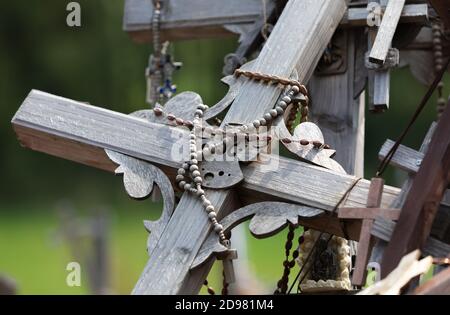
[144, 147]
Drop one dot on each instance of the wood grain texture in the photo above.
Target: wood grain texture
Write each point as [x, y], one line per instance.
[377, 253]
[80, 132]
[212, 18]
[368, 213]
[69, 129]
[383, 230]
[366, 241]
[182, 20]
[170, 274]
[267, 219]
[338, 113]
[314, 22]
[412, 13]
[167, 271]
[404, 158]
[386, 31]
[424, 197]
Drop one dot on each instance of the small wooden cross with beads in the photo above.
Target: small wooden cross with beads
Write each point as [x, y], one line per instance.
[367, 215]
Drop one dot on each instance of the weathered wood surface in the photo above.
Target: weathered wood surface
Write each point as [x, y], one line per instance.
[338, 109]
[314, 23]
[368, 213]
[67, 129]
[267, 219]
[386, 31]
[383, 228]
[366, 241]
[438, 285]
[404, 158]
[380, 245]
[412, 13]
[378, 79]
[254, 99]
[182, 20]
[212, 18]
[424, 197]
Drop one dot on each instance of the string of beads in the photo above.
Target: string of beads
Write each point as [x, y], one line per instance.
[282, 284]
[189, 177]
[438, 64]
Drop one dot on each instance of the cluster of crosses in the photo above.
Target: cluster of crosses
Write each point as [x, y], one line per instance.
[362, 41]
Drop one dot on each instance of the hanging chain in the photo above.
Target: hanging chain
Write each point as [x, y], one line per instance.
[438, 63]
[161, 65]
[282, 284]
[189, 178]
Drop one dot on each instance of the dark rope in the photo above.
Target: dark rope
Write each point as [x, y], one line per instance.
[387, 159]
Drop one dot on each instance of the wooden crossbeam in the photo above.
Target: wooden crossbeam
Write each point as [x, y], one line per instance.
[411, 13]
[368, 213]
[284, 53]
[75, 131]
[386, 32]
[404, 158]
[211, 18]
[425, 195]
[366, 242]
[383, 229]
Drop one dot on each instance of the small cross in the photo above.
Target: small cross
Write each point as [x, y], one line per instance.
[367, 215]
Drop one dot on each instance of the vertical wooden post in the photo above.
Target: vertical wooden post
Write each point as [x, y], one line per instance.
[424, 197]
[366, 241]
[337, 107]
[296, 43]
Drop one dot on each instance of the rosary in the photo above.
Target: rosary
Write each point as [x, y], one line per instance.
[161, 64]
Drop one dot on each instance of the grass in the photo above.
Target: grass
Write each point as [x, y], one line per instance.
[35, 256]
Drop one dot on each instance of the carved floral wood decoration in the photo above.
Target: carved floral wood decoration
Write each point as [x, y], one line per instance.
[266, 218]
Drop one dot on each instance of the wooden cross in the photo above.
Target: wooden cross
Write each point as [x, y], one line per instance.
[419, 210]
[81, 133]
[367, 215]
[144, 148]
[216, 18]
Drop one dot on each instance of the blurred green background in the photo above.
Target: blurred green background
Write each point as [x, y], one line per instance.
[98, 63]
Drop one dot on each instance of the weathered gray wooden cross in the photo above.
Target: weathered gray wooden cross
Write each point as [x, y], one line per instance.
[145, 147]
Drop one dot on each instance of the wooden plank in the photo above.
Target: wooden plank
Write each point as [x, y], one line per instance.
[438, 285]
[338, 113]
[175, 255]
[386, 31]
[210, 18]
[366, 241]
[425, 195]
[383, 230]
[380, 245]
[80, 132]
[404, 158]
[412, 13]
[378, 80]
[182, 20]
[314, 23]
[368, 213]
